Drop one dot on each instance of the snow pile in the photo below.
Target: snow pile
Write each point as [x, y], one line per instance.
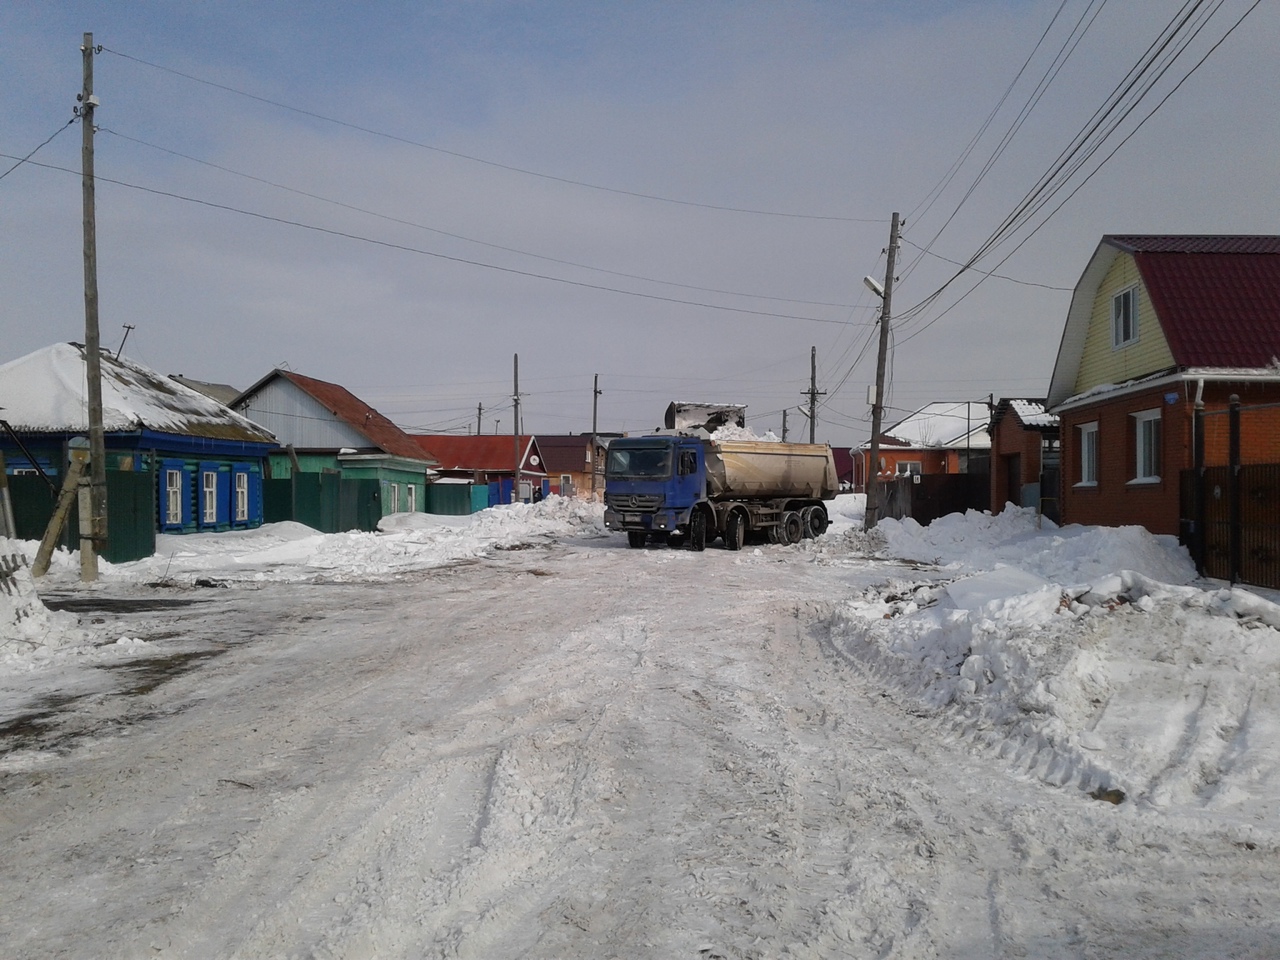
[28, 629]
[1068, 652]
[731, 431]
[407, 542]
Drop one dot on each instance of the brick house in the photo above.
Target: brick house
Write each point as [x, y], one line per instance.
[945, 437]
[1155, 323]
[1024, 456]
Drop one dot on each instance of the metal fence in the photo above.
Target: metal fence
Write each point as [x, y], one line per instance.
[1230, 500]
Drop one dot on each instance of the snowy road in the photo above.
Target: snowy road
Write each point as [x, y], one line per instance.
[571, 751]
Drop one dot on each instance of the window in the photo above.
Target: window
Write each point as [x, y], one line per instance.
[906, 468]
[1124, 317]
[566, 485]
[209, 496]
[412, 491]
[393, 498]
[1147, 448]
[1089, 453]
[242, 497]
[173, 497]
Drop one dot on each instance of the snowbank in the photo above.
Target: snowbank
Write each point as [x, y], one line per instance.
[1081, 655]
[29, 631]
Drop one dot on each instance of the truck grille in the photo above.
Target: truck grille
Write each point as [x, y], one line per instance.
[633, 502]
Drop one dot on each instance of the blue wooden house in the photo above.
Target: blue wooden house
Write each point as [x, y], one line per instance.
[195, 465]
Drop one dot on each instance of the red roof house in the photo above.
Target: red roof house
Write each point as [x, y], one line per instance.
[1155, 324]
[483, 457]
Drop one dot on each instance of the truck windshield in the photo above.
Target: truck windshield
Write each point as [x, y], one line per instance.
[643, 463]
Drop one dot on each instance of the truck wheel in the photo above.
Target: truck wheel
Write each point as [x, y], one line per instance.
[635, 539]
[815, 521]
[698, 531]
[735, 531]
[792, 527]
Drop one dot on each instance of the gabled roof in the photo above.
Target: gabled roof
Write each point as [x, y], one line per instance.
[350, 409]
[487, 452]
[942, 425]
[565, 454]
[1217, 299]
[222, 392]
[46, 392]
[1032, 413]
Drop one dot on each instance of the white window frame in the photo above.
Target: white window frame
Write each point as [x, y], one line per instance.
[173, 498]
[1089, 454]
[411, 490]
[1120, 336]
[242, 497]
[1148, 437]
[393, 497]
[209, 496]
[908, 468]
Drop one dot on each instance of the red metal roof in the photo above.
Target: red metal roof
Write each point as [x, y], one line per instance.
[1217, 297]
[352, 410]
[564, 454]
[488, 452]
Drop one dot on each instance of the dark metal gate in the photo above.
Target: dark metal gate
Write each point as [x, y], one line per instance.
[1230, 514]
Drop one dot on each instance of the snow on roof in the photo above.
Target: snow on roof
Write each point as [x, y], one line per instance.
[944, 425]
[46, 392]
[1032, 413]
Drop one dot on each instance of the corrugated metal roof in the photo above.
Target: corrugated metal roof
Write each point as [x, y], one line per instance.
[491, 452]
[351, 410]
[564, 454]
[46, 392]
[1194, 243]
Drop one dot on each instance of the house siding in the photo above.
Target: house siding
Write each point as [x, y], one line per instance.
[1102, 363]
[299, 419]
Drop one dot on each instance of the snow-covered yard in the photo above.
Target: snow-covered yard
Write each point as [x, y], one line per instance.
[511, 736]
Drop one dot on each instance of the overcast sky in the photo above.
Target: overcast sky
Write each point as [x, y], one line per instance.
[680, 197]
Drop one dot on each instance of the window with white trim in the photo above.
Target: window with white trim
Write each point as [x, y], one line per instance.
[173, 497]
[1146, 430]
[393, 498]
[412, 491]
[242, 497]
[906, 468]
[1089, 453]
[209, 495]
[1124, 317]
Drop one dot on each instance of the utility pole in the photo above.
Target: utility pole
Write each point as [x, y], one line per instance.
[877, 409]
[813, 392]
[784, 424]
[479, 418]
[92, 345]
[515, 432]
[595, 409]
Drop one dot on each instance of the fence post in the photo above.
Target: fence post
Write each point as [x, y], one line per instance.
[1197, 487]
[1233, 486]
[7, 527]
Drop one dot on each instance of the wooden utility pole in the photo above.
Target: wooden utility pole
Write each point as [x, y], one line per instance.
[877, 408]
[813, 392]
[784, 424]
[515, 432]
[595, 409]
[479, 418]
[92, 345]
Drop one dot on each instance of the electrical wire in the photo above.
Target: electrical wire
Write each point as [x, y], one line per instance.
[490, 163]
[458, 236]
[37, 149]
[328, 231]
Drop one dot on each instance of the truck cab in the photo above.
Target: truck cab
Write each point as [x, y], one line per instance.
[653, 486]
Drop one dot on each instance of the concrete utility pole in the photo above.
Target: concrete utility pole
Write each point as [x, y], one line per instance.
[479, 418]
[92, 346]
[515, 432]
[813, 392]
[591, 454]
[877, 409]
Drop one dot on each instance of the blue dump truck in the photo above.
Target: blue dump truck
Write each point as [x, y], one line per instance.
[686, 486]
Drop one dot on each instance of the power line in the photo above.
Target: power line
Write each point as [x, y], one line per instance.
[37, 149]
[458, 236]
[490, 163]
[441, 256]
